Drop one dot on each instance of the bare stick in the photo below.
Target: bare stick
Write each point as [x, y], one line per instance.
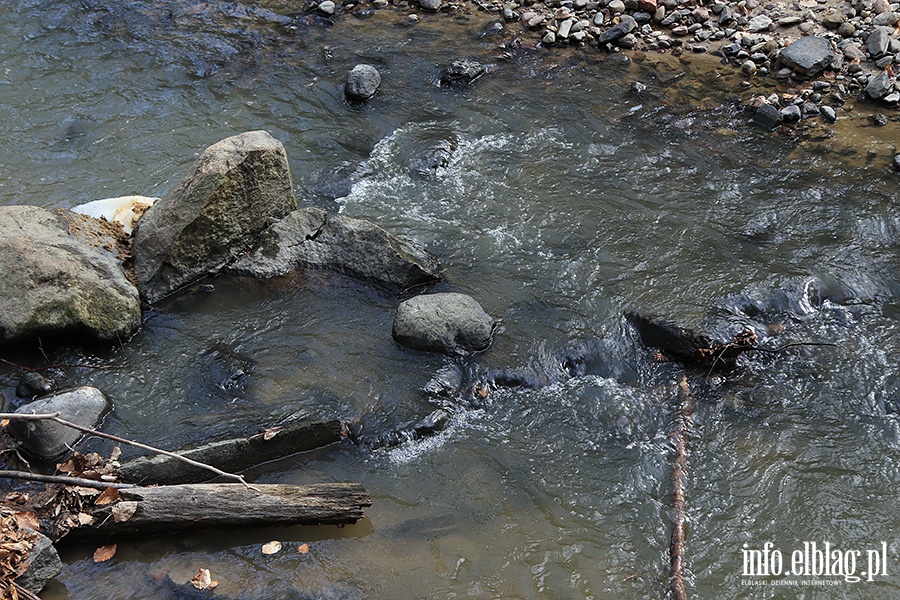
[100, 485]
[55, 417]
[679, 476]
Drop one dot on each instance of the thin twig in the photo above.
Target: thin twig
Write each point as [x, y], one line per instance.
[65, 480]
[62, 366]
[24, 593]
[56, 418]
[786, 346]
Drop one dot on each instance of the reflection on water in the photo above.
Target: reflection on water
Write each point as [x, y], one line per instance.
[558, 200]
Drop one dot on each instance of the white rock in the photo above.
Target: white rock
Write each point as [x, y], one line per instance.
[126, 210]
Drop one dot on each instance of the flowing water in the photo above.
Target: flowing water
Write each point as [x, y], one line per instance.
[562, 200]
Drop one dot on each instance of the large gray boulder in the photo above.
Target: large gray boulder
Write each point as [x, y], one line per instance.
[48, 439]
[216, 213]
[809, 55]
[43, 564]
[60, 275]
[312, 237]
[449, 323]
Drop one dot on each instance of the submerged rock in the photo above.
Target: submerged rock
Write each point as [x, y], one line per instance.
[362, 82]
[47, 439]
[462, 71]
[767, 116]
[32, 384]
[215, 213]
[450, 323]
[313, 237]
[60, 276]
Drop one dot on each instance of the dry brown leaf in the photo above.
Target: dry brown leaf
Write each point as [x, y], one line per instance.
[108, 496]
[272, 547]
[123, 511]
[303, 548]
[115, 454]
[85, 519]
[104, 553]
[203, 580]
[5, 422]
[28, 519]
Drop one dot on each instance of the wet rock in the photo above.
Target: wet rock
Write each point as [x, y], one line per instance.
[809, 55]
[618, 31]
[214, 214]
[43, 564]
[450, 323]
[748, 68]
[878, 41]
[880, 86]
[47, 439]
[462, 72]
[897, 162]
[362, 82]
[124, 210]
[759, 23]
[767, 117]
[828, 114]
[431, 5]
[32, 385]
[60, 276]
[791, 114]
[313, 238]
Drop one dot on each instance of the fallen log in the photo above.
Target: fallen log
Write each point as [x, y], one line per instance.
[168, 509]
[232, 455]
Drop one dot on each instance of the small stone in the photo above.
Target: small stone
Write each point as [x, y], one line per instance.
[809, 55]
[598, 19]
[881, 6]
[897, 162]
[791, 114]
[833, 20]
[565, 28]
[700, 14]
[888, 19]
[767, 117]
[549, 38]
[616, 7]
[680, 31]
[726, 16]
[43, 564]
[847, 29]
[891, 99]
[362, 82]
[431, 5]
[748, 69]
[48, 439]
[759, 23]
[878, 41]
[649, 6]
[33, 384]
[462, 72]
[880, 86]
[789, 21]
[828, 114]
[618, 31]
[326, 8]
[878, 120]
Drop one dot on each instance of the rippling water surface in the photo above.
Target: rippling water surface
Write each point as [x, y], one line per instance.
[562, 202]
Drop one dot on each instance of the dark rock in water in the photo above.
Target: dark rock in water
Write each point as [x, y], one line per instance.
[791, 114]
[809, 55]
[879, 41]
[221, 371]
[47, 439]
[767, 117]
[60, 275]
[43, 564]
[429, 163]
[408, 432]
[362, 82]
[313, 238]
[462, 72]
[880, 86]
[617, 31]
[449, 323]
[236, 187]
[828, 114]
[33, 384]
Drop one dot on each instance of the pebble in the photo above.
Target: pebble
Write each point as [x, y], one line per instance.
[828, 114]
[326, 8]
[897, 162]
[759, 23]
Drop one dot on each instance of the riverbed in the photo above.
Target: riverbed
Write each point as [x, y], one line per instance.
[569, 196]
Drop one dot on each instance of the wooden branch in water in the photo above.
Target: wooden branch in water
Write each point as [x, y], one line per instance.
[175, 508]
[679, 482]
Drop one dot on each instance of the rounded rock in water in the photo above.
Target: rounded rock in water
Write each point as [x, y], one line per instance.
[362, 82]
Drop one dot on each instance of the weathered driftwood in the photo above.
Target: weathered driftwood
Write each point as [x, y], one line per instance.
[233, 454]
[685, 410]
[175, 508]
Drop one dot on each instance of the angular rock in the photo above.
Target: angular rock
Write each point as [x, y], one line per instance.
[125, 210]
[767, 116]
[362, 82]
[60, 276]
[215, 213]
[462, 71]
[887, 19]
[759, 23]
[809, 55]
[448, 322]
[617, 31]
[43, 564]
[880, 86]
[878, 41]
[828, 114]
[47, 439]
[791, 113]
[312, 237]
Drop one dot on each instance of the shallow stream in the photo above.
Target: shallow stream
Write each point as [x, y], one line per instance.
[564, 200]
